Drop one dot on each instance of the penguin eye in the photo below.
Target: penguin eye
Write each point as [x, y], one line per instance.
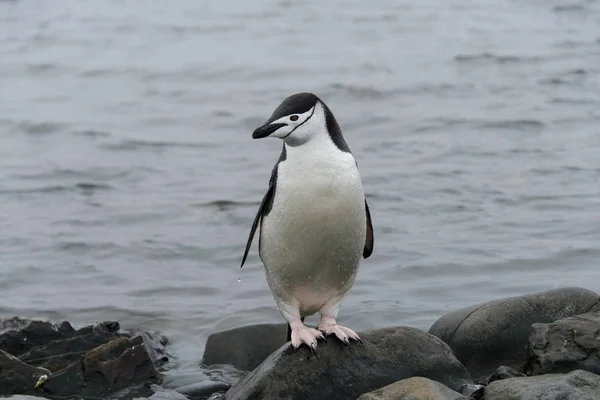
[294, 117]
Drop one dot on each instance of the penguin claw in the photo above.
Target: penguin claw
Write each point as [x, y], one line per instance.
[341, 332]
[306, 335]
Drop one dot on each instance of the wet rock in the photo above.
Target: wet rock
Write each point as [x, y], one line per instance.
[473, 391]
[504, 372]
[203, 390]
[58, 354]
[244, 347]
[19, 335]
[496, 333]
[576, 385]
[159, 393]
[107, 369]
[338, 372]
[16, 377]
[414, 388]
[565, 345]
[95, 361]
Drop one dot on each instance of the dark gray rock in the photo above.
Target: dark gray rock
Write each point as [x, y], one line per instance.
[244, 347]
[496, 333]
[473, 391]
[16, 377]
[565, 345]
[95, 361]
[114, 366]
[576, 385]
[19, 335]
[57, 354]
[203, 390]
[416, 388]
[504, 372]
[339, 373]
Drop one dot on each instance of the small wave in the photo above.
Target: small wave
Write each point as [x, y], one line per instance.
[499, 59]
[42, 68]
[571, 77]
[360, 92]
[436, 124]
[524, 124]
[570, 7]
[39, 128]
[91, 133]
[84, 187]
[128, 145]
[565, 100]
[224, 205]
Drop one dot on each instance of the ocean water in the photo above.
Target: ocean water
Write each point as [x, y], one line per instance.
[129, 179]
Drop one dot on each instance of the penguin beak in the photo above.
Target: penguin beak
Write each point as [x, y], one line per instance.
[265, 130]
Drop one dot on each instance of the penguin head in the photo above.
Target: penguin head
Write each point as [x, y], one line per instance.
[298, 118]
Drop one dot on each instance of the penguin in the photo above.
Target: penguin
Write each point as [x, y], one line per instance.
[315, 223]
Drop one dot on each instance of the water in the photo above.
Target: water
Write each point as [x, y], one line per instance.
[129, 181]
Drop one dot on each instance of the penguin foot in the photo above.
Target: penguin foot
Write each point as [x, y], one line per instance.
[341, 332]
[308, 336]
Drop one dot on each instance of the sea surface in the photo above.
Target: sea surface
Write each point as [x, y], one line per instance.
[129, 179]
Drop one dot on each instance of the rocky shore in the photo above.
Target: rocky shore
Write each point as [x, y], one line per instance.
[543, 345]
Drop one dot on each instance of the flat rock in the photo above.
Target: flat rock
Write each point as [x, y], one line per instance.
[339, 372]
[416, 388]
[565, 345]
[576, 385]
[496, 333]
[244, 347]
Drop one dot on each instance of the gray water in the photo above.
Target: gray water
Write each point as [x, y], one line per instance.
[129, 180]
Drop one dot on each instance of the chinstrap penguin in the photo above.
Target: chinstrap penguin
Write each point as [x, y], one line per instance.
[315, 224]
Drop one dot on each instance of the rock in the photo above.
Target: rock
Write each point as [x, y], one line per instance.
[107, 369]
[166, 394]
[203, 390]
[504, 372]
[576, 385]
[473, 391]
[416, 388]
[496, 333]
[16, 377]
[244, 347]
[337, 372]
[19, 335]
[565, 345]
[94, 361]
[58, 354]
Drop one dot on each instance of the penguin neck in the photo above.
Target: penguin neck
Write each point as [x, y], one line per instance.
[318, 146]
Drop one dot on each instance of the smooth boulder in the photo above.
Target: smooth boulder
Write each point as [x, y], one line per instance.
[565, 345]
[576, 385]
[417, 388]
[338, 372]
[244, 347]
[495, 333]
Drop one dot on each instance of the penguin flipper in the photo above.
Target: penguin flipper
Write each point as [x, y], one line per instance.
[267, 199]
[370, 240]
